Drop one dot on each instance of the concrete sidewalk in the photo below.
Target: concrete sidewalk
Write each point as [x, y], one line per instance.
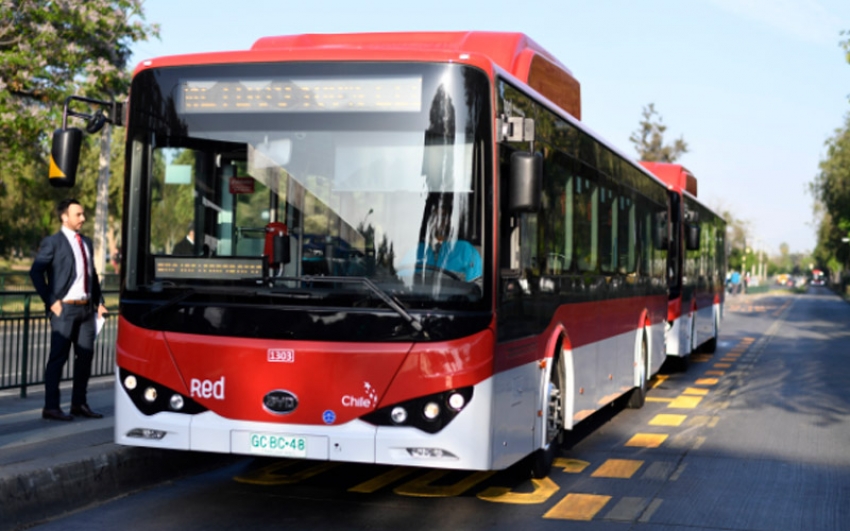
[48, 468]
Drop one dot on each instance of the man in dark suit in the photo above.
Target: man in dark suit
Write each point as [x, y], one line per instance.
[186, 246]
[65, 278]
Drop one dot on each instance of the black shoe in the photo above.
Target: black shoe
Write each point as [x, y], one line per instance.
[85, 411]
[55, 414]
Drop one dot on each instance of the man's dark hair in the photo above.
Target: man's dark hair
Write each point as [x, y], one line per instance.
[63, 205]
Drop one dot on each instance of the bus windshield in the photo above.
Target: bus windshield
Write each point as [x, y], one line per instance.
[368, 170]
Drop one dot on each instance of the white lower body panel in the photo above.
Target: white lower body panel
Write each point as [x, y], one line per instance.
[462, 444]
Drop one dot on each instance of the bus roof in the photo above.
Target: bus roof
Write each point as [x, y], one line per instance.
[515, 53]
[674, 175]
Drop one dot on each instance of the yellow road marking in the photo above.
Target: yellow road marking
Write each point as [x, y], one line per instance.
[647, 440]
[658, 399]
[685, 402]
[715, 373]
[722, 365]
[667, 420]
[695, 391]
[733, 354]
[543, 490]
[422, 487]
[578, 507]
[377, 483]
[713, 422]
[658, 380]
[570, 466]
[617, 468]
[706, 381]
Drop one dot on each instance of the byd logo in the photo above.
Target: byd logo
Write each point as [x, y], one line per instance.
[207, 388]
[280, 401]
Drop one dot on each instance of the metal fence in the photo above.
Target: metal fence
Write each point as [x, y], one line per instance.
[25, 341]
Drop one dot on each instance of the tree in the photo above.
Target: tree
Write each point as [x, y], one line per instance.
[831, 190]
[51, 49]
[649, 139]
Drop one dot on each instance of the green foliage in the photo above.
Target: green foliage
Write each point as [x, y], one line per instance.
[831, 189]
[649, 139]
[49, 50]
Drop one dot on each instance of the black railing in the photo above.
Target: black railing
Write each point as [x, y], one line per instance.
[25, 341]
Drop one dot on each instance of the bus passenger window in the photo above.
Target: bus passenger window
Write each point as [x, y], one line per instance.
[586, 224]
[607, 229]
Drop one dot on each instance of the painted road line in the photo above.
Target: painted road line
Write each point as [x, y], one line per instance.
[570, 466]
[647, 440]
[658, 380]
[423, 487]
[667, 420]
[685, 402]
[385, 479]
[578, 507]
[714, 373]
[628, 509]
[658, 399]
[543, 490]
[706, 381]
[617, 468]
[695, 391]
[659, 471]
[653, 506]
[722, 365]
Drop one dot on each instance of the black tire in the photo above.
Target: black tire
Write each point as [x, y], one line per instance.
[710, 346]
[638, 396]
[540, 462]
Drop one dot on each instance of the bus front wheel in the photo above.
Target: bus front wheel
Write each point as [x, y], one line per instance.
[541, 460]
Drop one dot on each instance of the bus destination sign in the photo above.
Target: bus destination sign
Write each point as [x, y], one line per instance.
[208, 268]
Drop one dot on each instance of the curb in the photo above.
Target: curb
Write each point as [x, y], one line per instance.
[27, 498]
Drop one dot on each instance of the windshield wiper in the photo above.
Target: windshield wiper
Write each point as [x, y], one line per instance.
[385, 297]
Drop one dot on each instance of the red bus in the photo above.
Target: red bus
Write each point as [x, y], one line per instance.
[697, 265]
[383, 248]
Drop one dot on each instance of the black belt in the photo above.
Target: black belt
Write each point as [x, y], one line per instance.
[76, 303]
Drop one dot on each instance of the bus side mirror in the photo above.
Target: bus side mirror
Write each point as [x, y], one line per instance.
[64, 157]
[693, 237]
[526, 182]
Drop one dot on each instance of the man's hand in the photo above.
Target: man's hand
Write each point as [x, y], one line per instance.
[56, 308]
[101, 310]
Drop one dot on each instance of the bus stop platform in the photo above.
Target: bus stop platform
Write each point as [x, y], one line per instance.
[49, 468]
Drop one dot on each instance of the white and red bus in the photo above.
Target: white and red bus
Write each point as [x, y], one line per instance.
[697, 265]
[383, 248]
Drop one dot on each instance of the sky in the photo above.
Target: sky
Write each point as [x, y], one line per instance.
[755, 87]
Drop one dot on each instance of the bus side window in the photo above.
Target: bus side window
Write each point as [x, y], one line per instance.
[586, 224]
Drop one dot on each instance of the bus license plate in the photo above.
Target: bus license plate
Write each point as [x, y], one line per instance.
[276, 444]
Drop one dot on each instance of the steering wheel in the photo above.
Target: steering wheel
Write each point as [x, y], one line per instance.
[451, 274]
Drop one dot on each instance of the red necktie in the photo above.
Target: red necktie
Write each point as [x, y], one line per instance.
[85, 263]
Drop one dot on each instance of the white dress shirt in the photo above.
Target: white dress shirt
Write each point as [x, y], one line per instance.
[77, 291]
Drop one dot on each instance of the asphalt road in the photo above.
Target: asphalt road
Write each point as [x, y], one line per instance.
[754, 437]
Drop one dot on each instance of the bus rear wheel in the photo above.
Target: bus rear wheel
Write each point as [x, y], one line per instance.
[638, 397]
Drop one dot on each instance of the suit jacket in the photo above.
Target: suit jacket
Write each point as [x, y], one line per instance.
[54, 270]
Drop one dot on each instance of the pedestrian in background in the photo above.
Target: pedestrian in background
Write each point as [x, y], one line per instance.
[66, 280]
